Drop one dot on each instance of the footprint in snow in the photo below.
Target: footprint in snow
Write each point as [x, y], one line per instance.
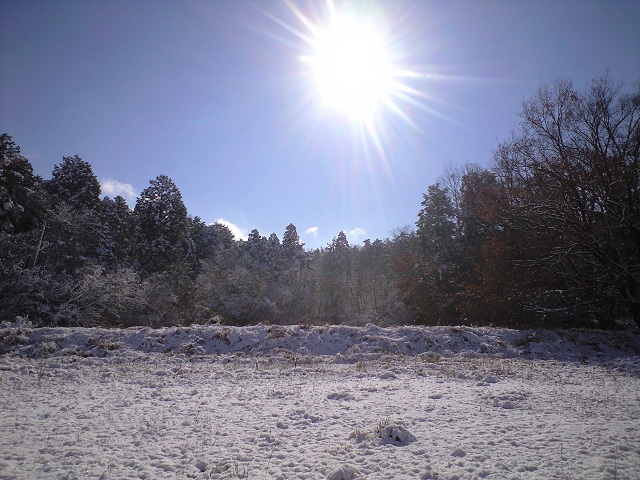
[340, 396]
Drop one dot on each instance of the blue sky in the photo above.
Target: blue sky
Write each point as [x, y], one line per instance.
[215, 95]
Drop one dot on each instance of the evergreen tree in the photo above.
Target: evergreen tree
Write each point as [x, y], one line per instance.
[21, 204]
[291, 245]
[215, 289]
[161, 227]
[274, 260]
[436, 222]
[224, 246]
[478, 194]
[255, 252]
[74, 183]
[72, 234]
[294, 285]
[432, 291]
[335, 281]
[118, 227]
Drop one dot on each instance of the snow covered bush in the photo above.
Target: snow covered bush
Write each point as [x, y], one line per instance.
[121, 297]
[28, 293]
[396, 435]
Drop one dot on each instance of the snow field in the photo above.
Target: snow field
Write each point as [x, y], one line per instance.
[286, 416]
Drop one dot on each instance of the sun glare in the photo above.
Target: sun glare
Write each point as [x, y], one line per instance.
[351, 67]
[352, 62]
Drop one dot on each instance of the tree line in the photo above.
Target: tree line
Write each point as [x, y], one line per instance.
[547, 235]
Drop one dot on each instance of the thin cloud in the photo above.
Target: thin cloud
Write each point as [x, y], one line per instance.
[113, 188]
[313, 231]
[238, 232]
[356, 234]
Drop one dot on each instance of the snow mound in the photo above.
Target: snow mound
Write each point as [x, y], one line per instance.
[344, 343]
[346, 472]
[458, 452]
[396, 435]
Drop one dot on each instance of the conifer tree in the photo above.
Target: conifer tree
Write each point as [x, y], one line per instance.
[73, 234]
[432, 291]
[291, 243]
[20, 203]
[118, 225]
[74, 182]
[161, 227]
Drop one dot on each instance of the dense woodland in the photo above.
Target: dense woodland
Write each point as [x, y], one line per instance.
[547, 235]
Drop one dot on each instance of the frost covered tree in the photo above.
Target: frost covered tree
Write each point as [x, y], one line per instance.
[201, 244]
[255, 249]
[218, 258]
[74, 183]
[21, 204]
[118, 227]
[224, 248]
[72, 233]
[161, 227]
[431, 291]
[292, 247]
[211, 246]
[295, 287]
[334, 270]
[274, 258]
[372, 272]
[71, 239]
[249, 293]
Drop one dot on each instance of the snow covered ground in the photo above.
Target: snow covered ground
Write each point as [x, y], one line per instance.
[332, 402]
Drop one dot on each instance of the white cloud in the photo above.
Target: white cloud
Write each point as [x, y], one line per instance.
[238, 232]
[312, 231]
[113, 188]
[355, 234]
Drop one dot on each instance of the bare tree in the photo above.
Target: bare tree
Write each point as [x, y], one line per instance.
[573, 179]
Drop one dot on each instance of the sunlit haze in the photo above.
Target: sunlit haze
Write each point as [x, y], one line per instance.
[333, 116]
[352, 67]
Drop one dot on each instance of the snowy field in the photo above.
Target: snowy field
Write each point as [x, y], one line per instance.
[273, 402]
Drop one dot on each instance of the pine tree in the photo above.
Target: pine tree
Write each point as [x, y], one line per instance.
[73, 234]
[432, 292]
[21, 204]
[225, 247]
[274, 256]
[161, 227]
[291, 245]
[436, 221]
[118, 226]
[335, 281]
[211, 245]
[255, 249]
[74, 182]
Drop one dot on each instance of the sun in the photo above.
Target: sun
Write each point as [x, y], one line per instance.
[351, 67]
[355, 70]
